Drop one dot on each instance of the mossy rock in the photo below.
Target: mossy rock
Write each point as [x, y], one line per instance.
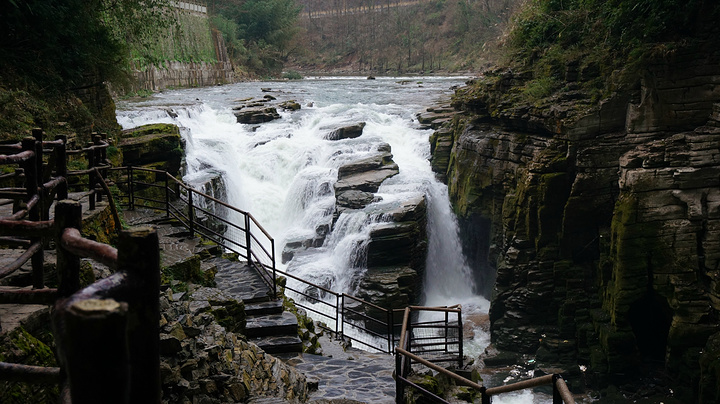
[158, 143]
[152, 129]
[231, 315]
[19, 346]
[189, 271]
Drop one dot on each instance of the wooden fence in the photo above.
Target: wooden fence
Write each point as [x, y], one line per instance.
[106, 333]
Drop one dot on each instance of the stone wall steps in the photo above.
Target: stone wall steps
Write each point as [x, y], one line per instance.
[262, 308]
[279, 344]
[284, 323]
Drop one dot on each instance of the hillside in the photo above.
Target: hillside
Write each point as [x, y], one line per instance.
[398, 36]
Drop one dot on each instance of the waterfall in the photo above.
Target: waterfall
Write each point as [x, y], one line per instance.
[284, 172]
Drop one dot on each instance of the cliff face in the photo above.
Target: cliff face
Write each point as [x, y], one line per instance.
[601, 222]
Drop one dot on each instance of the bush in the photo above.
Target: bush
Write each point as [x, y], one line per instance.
[292, 75]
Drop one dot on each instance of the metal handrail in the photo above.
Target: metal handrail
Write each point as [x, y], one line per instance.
[404, 357]
[341, 312]
[184, 208]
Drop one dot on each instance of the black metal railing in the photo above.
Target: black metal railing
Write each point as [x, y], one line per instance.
[427, 349]
[363, 323]
[201, 214]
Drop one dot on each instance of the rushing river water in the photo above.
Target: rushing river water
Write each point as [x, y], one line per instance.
[280, 171]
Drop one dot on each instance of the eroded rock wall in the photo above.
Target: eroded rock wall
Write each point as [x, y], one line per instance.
[599, 221]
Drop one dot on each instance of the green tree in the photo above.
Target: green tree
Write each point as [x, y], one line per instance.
[264, 30]
[63, 44]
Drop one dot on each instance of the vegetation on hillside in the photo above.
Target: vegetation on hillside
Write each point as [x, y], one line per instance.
[57, 52]
[395, 36]
[604, 41]
[258, 33]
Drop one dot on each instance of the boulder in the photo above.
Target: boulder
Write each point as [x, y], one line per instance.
[290, 105]
[367, 174]
[389, 288]
[159, 145]
[347, 132]
[254, 115]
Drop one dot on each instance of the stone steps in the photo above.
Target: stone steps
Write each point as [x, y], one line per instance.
[267, 325]
[279, 344]
[262, 308]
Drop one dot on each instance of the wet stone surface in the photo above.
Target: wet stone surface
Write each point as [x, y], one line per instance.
[353, 375]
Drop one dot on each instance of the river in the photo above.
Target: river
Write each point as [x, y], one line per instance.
[280, 170]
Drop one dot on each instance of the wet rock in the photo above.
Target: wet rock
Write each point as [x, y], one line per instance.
[255, 115]
[156, 145]
[367, 174]
[347, 132]
[290, 105]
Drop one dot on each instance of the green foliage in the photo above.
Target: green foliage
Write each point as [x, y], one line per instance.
[602, 34]
[231, 35]
[189, 40]
[539, 88]
[259, 32]
[62, 44]
[292, 75]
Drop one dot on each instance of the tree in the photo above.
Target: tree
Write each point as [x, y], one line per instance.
[63, 44]
[265, 27]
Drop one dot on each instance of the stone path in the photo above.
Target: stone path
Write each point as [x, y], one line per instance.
[351, 374]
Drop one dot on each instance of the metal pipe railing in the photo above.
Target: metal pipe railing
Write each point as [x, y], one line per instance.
[405, 357]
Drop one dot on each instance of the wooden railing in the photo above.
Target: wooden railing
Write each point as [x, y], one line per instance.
[107, 333]
[33, 192]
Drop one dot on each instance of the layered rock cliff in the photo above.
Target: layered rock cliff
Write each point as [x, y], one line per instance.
[600, 220]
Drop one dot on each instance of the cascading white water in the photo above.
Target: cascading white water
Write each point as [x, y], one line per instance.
[283, 172]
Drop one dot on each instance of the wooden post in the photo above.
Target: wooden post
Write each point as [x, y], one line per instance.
[68, 213]
[139, 257]
[61, 167]
[32, 180]
[96, 352]
[100, 156]
[90, 155]
[167, 195]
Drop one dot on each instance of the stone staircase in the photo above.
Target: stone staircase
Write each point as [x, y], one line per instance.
[268, 325]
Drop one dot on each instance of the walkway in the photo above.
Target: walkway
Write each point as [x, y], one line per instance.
[351, 374]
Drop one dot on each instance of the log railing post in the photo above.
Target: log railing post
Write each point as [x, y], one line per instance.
[32, 181]
[139, 257]
[100, 156]
[68, 213]
[61, 167]
[95, 352]
[90, 155]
